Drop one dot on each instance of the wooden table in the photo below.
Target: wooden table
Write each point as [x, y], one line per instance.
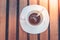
[10, 28]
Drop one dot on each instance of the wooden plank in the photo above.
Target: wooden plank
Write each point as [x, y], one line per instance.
[59, 19]
[59, 5]
[53, 19]
[44, 35]
[32, 2]
[33, 36]
[22, 34]
[12, 20]
[2, 19]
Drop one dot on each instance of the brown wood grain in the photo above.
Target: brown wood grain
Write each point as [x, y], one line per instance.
[53, 9]
[59, 6]
[32, 2]
[2, 19]
[22, 34]
[53, 19]
[44, 35]
[12, 20]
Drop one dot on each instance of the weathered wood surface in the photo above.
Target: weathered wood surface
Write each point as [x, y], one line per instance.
[50, 5]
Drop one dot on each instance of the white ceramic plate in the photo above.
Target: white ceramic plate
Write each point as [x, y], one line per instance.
[34, 29]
